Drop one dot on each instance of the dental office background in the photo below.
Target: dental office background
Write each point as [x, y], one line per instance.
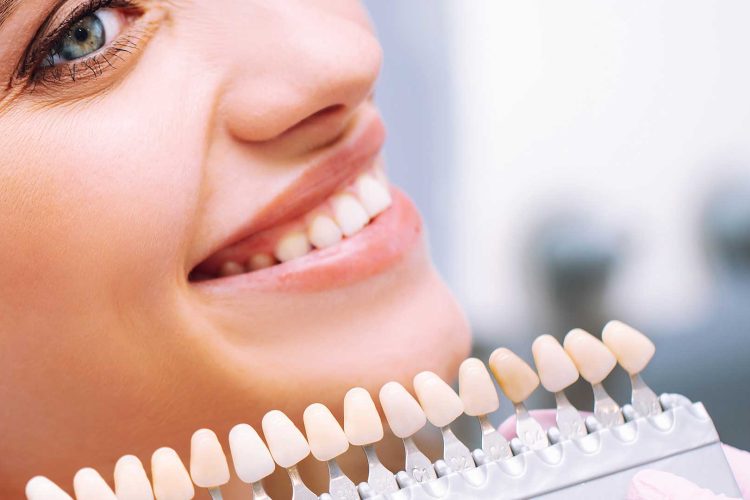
[580, 161]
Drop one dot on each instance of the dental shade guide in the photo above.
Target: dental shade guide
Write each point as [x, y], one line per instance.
[288, 448]
[251, 458]
[208, 464]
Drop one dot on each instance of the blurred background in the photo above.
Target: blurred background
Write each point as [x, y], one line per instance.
[581, 161]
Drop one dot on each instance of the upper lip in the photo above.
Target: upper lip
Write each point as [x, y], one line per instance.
[353, 153]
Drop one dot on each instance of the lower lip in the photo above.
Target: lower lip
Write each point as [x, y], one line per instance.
[379, 246]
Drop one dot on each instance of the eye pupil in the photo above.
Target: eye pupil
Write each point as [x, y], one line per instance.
[81, 34]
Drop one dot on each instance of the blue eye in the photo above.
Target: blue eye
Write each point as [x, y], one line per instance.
[86, 36]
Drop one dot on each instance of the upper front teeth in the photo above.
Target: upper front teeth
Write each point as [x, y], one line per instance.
[349, 214]
[291, 246]
[373, 194]
[324, 232]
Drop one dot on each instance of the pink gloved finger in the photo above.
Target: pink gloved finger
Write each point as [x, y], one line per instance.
[658, 485]
[739, 461]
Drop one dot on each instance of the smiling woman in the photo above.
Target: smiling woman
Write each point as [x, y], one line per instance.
[197, 227]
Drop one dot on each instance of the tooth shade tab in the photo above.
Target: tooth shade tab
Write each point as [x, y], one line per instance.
[362, 424]
[632, 349]
[349, 214]
[285, 441]
[555, 368]
[324, 434]
[405, 416]
[515, 376]
[251, 458]
[260, 261]
[208, 464]
[323, 232]
[292, 246]
[131, 481]
[171, 480]
[476, 388]
[41, 488]
[592, 358]
[439, 401]
[373, 195]
[89, 485]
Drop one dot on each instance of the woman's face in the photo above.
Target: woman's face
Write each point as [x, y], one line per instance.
[151, 150]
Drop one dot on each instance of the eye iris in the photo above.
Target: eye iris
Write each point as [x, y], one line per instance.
[86, 37]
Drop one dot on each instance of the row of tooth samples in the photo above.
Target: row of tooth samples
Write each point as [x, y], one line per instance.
[558, 367]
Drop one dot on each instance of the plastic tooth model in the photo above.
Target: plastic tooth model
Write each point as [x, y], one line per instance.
[633, 351]
[170, 478]
[251, 458]
[131, 482]
[288, 447]
[364, 428]
[405, 418]
[480, 399]
[208, 463]
[89, 485]
[558, 372]
[327, 441]
[41, 488]
[518, 381]
[594, 362]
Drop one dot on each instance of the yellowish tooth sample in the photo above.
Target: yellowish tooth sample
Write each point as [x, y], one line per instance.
[592, 358]
[439, 401]
[285, 441]
[89, 485]
[260, 261]
[41, 488]
[324, 232]
[476, 389]
[131, 481]
[208, 464]
[292, 246]
[373, 195]
[362, 424]
[171, 480]
[349, 213]
[324, 434]
[556, 370]
[251, 458]
[405, 416]
[515, 376]
[632, 349]
[231, 268]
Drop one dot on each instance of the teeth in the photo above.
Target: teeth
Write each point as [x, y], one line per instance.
[324, 232]
[231, 268]
[476, 388]
[373, 194]
[592, 358]
[556, 370]
[292, 246]
[89, 485]
[208, 464]
[632, 349]
[325, 435]
[260, 261]
[131, 482]
[439, 401]
[349, 214]
[286, 443]
[170, 478]
[405, 416]
[252, 460]
[516, 378]
[41, 488]
[362, 423]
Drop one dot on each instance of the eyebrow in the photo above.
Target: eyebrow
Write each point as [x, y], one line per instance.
[7, 7]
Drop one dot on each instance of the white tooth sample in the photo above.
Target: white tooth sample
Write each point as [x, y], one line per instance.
[349, 213]
[476, 389]
[131, 482]
[439, 401]
[231, 268]
[632, 349]
[251, 458]
[405, 416]
[286, 443]
[41, 488]
[556, 370]
[292, 246]
[324, 434]
[592, 358]
[208, 464]
[362, 424]
[89, 485]
[171, 480]
[324, 232]
[373, 195]
[260, 261]
[515, 376]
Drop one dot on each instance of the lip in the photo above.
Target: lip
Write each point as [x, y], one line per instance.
[379, 246]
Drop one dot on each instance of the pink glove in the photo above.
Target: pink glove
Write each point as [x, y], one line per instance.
[657, 485]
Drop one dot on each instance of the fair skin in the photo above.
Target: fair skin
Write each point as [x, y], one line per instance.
[216, 122]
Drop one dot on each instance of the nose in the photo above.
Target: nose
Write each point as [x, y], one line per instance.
[302, 65]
